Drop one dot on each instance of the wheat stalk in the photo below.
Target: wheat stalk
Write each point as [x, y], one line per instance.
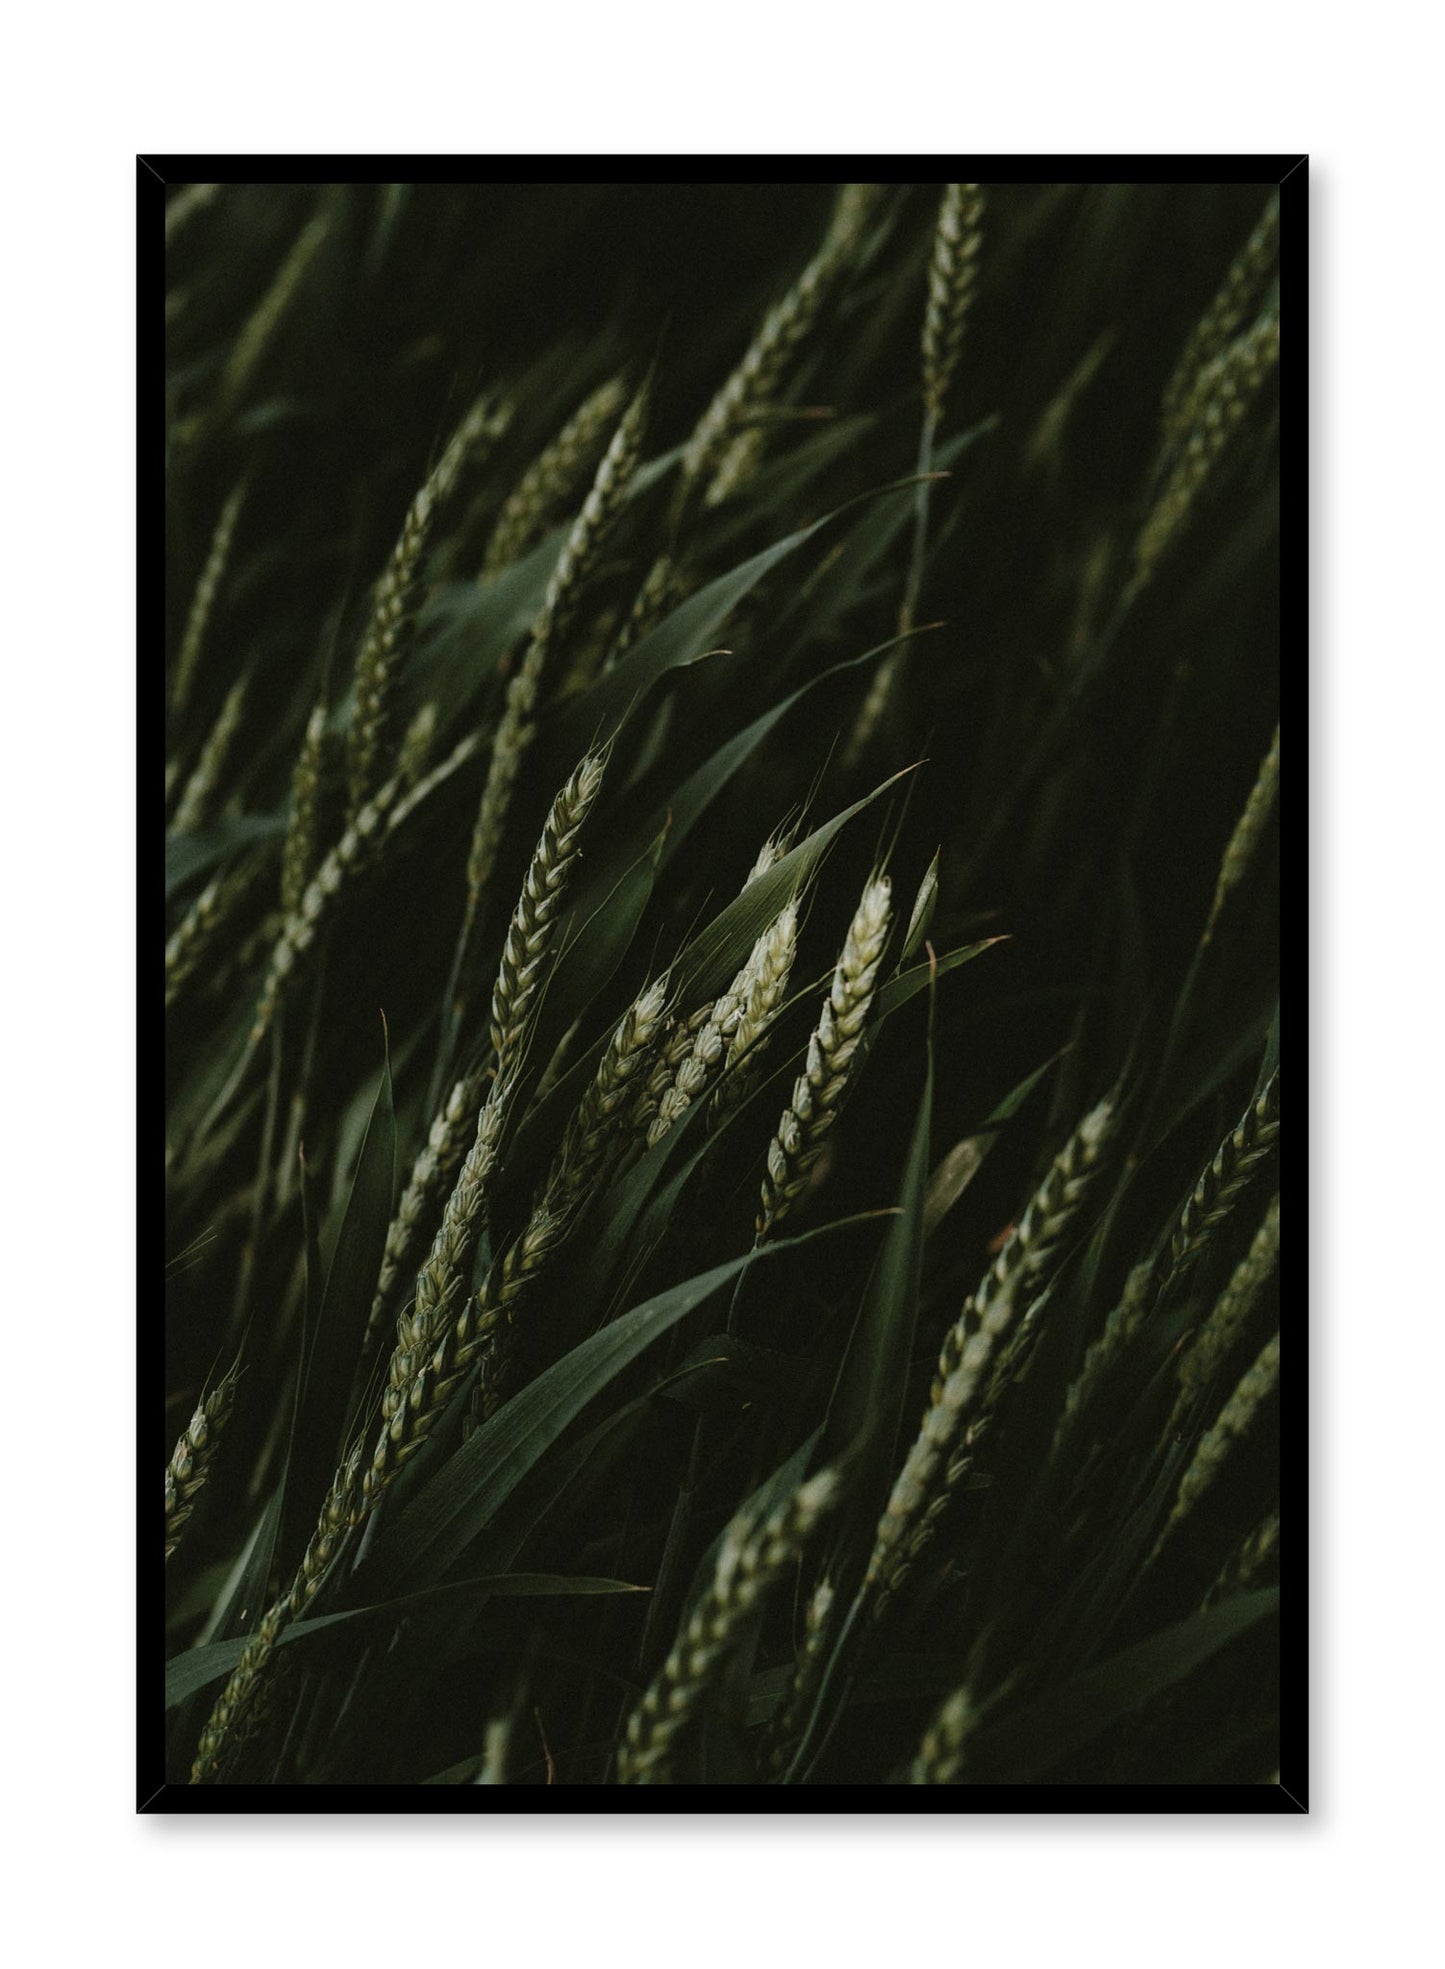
[516, 729]
[754, 1560]
[941, 1752]
[1221, 1331]
[190, 1465]
[198, 801]
[818, 1090]
[550, 482]
[203, 602]
[1230, 307]
[387, 640]
[1247, 831]
[764, 987]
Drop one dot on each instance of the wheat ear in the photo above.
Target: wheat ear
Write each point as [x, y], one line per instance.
[1034, 1242]
[389, 634]
[764, 987]
[790, 1719]
[1224, 1181]
[527, 952]
[1227, 387]
[457, 1344]
[264, 324]
[300, 849]
[198, 801]
[1247, 831]
[941, 1752]
[190, 1465]
[1221, 1331]
[236, 1704]
[758, 377]
[952, 277]
[197, 934]
[818, 1091]
[1243, 285]
[516, 729]
[184, 207]
[1234, 1422]
[1244, 1566]
[203, 602]
[353, 857]
[754, 1561]
[551, 481]
[942, 1451]
[416, 744]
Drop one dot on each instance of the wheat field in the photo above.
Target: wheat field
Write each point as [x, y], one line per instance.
[722, 987]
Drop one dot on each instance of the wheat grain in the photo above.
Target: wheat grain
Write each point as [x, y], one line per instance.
[1230, 307]
[818, 1090]
[203, 602]
[198, 801]
[952, 278]
[551, 481]
[1247, 831]
[941, 1752]
[190, 1465]
[753, 1562]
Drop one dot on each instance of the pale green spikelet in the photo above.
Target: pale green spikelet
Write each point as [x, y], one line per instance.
[195, 938]
[387, 639]
[940, 1755]
[526, 955]
[203, 602]
[1234, 1422]
[1225, 315]
[818, 1090]
[1226, 1323]
[1248, 1564]
[952, 277]
[302, 844]
[552, 480]
[754, 1561]
[1247, 831]
[198, 801]
[1225, 1180]
[190, 1465]
[1227, 388]
[515, 731]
